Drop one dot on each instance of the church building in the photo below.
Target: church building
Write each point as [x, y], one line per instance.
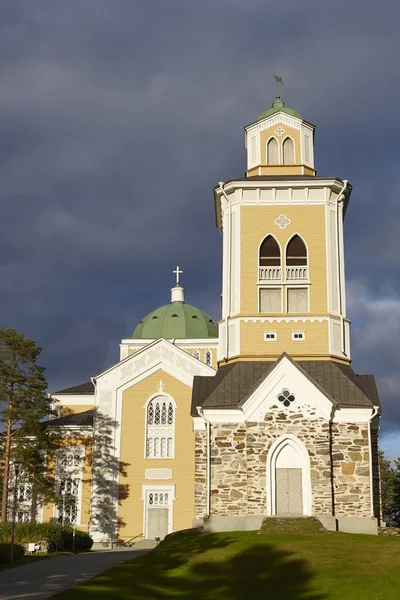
[261, 415]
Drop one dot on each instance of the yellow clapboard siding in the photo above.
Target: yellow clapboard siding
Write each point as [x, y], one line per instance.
[133, 454]
[316, 339]
[256, 222]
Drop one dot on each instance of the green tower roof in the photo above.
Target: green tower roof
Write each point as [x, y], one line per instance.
[176, 320]
[277, 106]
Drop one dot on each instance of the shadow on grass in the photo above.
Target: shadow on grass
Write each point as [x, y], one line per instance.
[204, 567]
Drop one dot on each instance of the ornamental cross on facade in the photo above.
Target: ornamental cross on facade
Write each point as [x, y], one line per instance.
[177, 272]
[282, 221]
[279, 131]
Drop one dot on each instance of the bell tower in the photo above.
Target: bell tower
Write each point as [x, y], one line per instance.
[280, 142]
[283, 258]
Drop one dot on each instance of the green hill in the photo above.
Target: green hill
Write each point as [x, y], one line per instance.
[240, 566]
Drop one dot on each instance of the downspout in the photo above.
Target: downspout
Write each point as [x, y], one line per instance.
[340, 198]
[371, 475]
[208, 461]
[228, 274]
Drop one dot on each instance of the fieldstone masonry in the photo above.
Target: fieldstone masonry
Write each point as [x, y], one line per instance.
[339, 464]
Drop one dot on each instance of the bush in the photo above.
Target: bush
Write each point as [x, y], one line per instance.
[5, 550]
[55, 535]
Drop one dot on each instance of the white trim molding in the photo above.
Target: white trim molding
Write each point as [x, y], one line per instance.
[284, 319]
[352, 415]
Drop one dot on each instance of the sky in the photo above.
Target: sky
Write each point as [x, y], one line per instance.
[118, 118]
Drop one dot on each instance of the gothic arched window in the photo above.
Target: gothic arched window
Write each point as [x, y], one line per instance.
[196, 354]
[270, 253]
[160, 428]
[272, 152]
[288, 152]
[296, 252]
[297, 272]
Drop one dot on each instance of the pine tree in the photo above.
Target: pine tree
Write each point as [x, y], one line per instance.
[396, 494]
[388, 478]
[23, 405]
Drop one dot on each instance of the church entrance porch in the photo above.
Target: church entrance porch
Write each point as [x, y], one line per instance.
[288, 478]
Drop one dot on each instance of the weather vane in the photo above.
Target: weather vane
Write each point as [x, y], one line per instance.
[278, 81]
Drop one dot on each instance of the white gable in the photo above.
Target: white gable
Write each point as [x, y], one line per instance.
[286, 376]
[160, 354]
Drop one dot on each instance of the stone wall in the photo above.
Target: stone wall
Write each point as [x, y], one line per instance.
[200, 474]
[239, 456]
[228, 470]
[350, 460]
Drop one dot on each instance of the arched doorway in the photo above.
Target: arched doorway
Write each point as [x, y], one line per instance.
[288, 478]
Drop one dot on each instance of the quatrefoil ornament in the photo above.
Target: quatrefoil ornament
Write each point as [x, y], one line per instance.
[286, 397]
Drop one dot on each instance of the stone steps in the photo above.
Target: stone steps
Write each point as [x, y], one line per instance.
[292, 525]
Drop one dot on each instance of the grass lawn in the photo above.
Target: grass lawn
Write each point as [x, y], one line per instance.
[245, 565]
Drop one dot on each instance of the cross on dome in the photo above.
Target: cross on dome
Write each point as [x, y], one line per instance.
[177, 272]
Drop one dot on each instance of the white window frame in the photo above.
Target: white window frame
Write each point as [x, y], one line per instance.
[274, 337]
[298, 339]
[279, 151]
[171, 399]
[196, 354]
[294, 151]
[163, 488]
[78, 474]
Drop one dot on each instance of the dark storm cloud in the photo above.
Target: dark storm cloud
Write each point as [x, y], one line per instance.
[118, 118]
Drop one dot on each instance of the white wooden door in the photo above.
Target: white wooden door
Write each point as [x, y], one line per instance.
[289, 492]
[157, 523]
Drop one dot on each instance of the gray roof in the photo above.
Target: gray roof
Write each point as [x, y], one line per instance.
[82, 389]
[235, 382]
[83, 419]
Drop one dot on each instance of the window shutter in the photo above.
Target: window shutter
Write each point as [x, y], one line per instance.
[297, 300]
[270, 300]
[288, 152]
[272, 152]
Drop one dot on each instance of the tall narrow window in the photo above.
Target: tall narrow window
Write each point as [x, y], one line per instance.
[270, 260]
[69, 475]
[208, 358]
[272, 152]
[296, 260]
[196, 354]
[160, 428]
[288, 152]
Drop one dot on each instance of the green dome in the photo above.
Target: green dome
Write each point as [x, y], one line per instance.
[176, 320]
[277, 106]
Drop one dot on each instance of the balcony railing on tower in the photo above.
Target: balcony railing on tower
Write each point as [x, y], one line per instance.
[275, 274]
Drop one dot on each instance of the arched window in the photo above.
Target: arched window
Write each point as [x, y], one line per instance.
[196, 354]
[208, 358]
[296, 252]
[270, 253]
[288, 152]
[272, 152]
[297, 272]
[160, 428]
